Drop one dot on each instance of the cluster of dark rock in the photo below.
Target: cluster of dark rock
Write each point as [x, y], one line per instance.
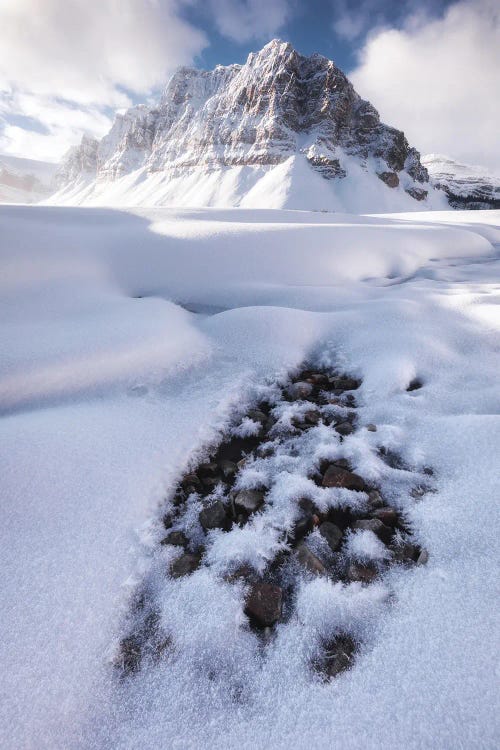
[325, 398]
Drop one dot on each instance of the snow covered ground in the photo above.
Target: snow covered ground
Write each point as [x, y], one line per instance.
[128, 338]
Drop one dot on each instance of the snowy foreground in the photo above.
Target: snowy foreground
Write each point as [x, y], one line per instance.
[128, 339]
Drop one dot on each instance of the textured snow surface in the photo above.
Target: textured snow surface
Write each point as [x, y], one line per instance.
[128, 339]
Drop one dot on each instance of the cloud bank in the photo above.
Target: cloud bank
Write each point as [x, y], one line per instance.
[438, 80]
[66, 63]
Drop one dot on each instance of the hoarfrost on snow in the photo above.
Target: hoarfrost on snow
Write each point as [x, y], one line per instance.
[130, 340]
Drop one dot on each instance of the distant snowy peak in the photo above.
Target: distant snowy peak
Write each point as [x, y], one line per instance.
[25, 180]
[277, 106]
[465, 186]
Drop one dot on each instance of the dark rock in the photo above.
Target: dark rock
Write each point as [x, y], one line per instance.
[417, 193]
[177, 538]
[362, 573]
[344, 428]
[374, 524]
[243, 572]
[309, 560]
[302, 525]
[341, 517]
[375, 499]
[263, 604]
[317, 378]
[371, 427]
[167, 521]
[414, 385]
[311, 417]
[269, 424]
[210, 483]
[191, 480]
[346, 384]
[300, 390]
[387, 515]
[265, 449]
[209, 469]
[332, 534]
[405, 553]
[179, 498]
[257, 416]
[335, 476]
[185, 565]
[249, 500]
[391, 458]
[390, 178]
[214, 516]
[228, 468]
[337, 656]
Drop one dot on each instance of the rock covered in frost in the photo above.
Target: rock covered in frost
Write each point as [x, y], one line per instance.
[263, 604]
[249, 500]
[185, 565]
[336, 476]
[213, 517]
[309, 560]
[332, 534]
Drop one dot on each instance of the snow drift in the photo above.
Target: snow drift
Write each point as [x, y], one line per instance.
[108, 385]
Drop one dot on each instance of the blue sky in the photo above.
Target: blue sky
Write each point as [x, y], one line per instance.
[335, 29]
[430, 67]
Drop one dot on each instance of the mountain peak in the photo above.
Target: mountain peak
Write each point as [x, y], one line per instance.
[277, 106]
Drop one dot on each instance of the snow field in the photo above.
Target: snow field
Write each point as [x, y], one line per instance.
[106, 397]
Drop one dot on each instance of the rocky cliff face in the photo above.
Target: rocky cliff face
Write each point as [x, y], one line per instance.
[465, 186]
[278, 105]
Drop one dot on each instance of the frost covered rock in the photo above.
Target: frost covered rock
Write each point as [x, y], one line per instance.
[309, 560]
[263, 604]
[376, 526]
[176, 538]
[332, 534]
[279, 107]
[249, 500]
[213, 517]
[336, 476]
[184, 565]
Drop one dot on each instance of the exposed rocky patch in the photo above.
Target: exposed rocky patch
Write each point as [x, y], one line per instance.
[333, 511]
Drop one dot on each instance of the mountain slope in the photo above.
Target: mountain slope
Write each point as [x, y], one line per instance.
[25, 180]
[282, 130]
[465, 186]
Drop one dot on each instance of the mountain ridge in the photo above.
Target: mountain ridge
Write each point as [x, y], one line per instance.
[278, 106]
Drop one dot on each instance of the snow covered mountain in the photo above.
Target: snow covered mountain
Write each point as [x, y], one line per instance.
[282, 130]
[25, 180]
[466, 186]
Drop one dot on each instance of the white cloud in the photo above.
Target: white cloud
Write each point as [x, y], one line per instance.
[60, 125]
[438, 80]
[85, 51]
[92, 55]
[243, 20]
